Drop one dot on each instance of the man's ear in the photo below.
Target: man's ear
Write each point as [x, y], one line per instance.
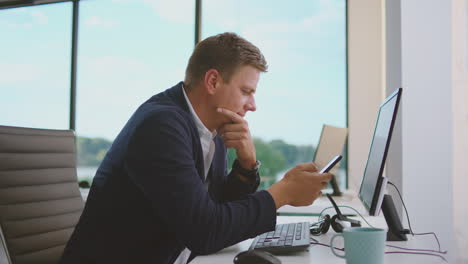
[211, 81]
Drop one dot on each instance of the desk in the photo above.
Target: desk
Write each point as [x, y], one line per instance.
[323, 255]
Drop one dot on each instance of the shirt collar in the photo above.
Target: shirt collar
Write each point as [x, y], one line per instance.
[202, 129]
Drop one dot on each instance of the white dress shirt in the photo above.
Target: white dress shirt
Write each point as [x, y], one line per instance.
[208, 147]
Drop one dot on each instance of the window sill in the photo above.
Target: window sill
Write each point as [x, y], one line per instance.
[349, 198]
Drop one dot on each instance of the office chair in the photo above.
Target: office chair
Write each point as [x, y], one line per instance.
[40, 202]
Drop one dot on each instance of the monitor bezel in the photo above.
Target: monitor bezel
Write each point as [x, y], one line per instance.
[379, 189]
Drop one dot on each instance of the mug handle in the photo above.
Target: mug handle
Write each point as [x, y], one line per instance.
[333, 248]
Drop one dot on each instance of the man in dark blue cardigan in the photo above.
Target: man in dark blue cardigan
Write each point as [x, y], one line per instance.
[163, 194]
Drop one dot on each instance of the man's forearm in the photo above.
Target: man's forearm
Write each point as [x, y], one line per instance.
[276, 191]
[245, 179]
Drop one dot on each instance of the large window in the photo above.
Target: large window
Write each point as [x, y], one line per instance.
[35, 66]
[304, 43]
[128, 51]
[131, 50]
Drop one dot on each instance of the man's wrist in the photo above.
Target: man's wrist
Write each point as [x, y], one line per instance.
[248, 164]
[276, 193]
[250, 173]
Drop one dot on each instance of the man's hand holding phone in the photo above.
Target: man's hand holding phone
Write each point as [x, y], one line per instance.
[301, 185]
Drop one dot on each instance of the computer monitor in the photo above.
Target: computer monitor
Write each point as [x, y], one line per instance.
[373, 185]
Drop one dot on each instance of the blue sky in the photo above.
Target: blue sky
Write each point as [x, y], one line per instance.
[132, 49]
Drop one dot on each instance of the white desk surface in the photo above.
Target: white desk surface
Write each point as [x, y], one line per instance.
[323, 255]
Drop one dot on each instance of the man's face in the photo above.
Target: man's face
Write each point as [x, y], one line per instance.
[238, 94]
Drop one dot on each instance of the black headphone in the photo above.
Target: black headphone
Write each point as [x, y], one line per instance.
[336, 222]
[323, 224]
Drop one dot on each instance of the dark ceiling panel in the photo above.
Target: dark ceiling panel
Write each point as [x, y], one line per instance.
[4, 4]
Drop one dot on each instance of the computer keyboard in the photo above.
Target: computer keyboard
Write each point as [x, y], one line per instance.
[285, 238]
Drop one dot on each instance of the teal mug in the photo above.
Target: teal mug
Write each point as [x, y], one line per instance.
[362, 245]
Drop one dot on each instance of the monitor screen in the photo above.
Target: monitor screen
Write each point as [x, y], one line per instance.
[373, 183]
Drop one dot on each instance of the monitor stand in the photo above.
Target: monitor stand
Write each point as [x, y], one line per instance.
[395, 228]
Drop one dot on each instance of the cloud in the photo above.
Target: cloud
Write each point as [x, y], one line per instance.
[178, 11]
[39, 18]
[110, 65]
[313, 32]
[326, 13]
[223, 13]
[14, 25]
[25, 20]
[229, 14]
[116, 75]
[100, 22]
[125, 83]
[13, 73]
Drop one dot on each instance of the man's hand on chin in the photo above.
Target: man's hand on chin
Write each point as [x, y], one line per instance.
[237, 135]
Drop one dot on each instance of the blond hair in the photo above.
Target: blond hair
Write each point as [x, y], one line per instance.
[224, 52]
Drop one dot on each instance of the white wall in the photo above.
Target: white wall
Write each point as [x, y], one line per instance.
[460, 126]
[393, 80]
[427, 118]
[421, 45]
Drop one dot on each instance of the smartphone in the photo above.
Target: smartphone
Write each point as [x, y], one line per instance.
[331, 164]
